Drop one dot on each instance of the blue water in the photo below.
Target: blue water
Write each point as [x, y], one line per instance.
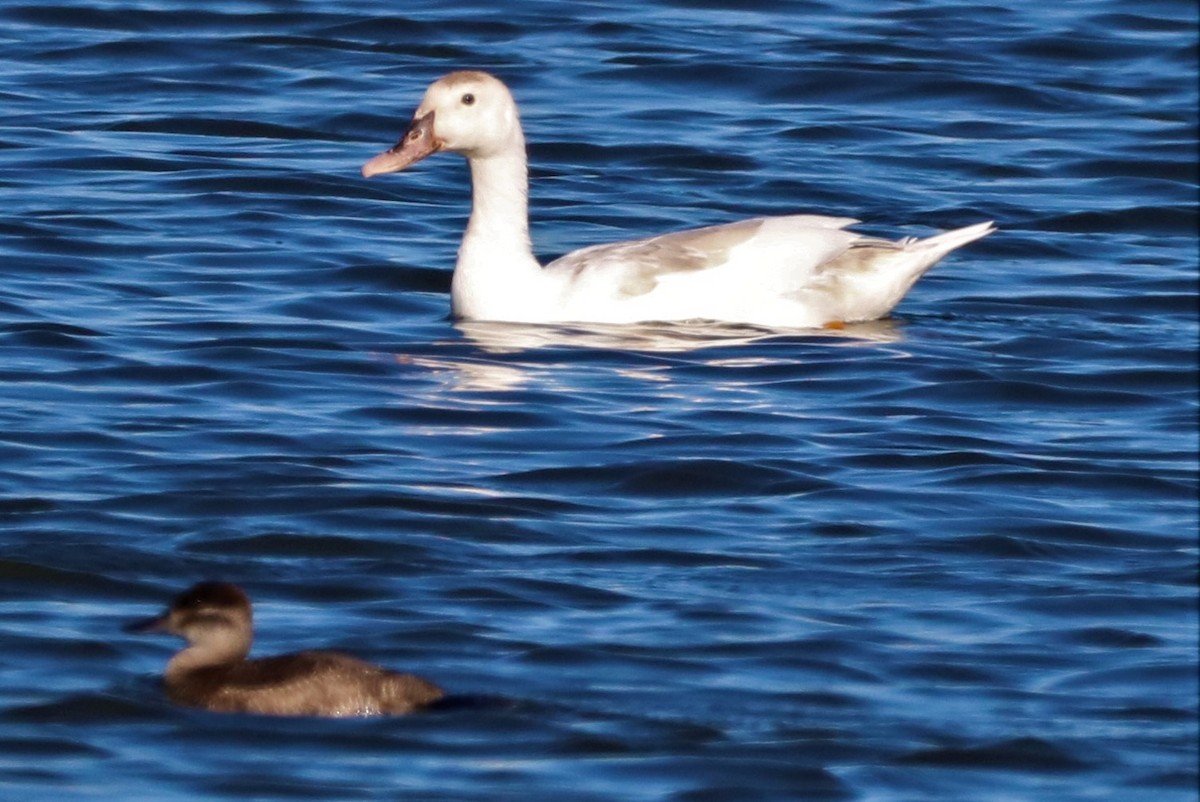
[947, 556]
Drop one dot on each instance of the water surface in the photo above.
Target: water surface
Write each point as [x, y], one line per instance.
[949, 555]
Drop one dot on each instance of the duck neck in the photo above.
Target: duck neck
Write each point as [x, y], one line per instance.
[500, 203]
[495, 262]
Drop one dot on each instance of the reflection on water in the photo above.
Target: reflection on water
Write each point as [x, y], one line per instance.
[511, 338]
[666, 337]
[484, 372]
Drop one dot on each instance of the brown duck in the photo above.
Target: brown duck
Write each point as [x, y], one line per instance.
[212, 671]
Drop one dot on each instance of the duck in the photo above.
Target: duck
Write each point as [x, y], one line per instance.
[213, 673]
[799, 271]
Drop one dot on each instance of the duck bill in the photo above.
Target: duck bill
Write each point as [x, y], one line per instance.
[147, 626]
[415, 144]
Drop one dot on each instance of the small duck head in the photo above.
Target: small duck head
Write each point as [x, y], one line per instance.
[213, 617]
[468, 112]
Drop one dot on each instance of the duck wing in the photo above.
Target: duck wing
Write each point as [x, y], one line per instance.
[794, 271]
[637, 267]
[309, 683]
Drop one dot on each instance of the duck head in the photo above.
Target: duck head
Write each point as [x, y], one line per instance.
[210, 614]
[470, 113]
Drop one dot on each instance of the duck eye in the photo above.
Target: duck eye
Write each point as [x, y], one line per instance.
[468, 99]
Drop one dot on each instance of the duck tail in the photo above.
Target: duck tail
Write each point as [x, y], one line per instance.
[881, 272]
[937, 246]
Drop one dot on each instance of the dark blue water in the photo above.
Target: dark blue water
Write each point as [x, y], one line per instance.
[948, 556]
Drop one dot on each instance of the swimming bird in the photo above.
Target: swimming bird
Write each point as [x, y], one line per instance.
[212, 671]
[798, 271]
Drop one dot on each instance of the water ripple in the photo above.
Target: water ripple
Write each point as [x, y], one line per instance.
[951, 554]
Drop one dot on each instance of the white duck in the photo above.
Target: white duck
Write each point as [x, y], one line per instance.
[801, 271]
